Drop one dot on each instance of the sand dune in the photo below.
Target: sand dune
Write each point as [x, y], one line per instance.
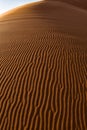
[43, 68]
[79, 3]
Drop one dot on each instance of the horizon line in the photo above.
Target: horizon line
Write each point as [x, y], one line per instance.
[10, 9]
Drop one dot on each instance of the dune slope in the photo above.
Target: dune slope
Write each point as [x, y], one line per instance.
[79, 3]
[43, 68]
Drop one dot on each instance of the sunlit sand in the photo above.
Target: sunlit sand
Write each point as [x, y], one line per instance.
[11, 9]
[43, 67]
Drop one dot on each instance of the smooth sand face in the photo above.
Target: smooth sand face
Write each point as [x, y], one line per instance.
[77, 3]
[43, 68]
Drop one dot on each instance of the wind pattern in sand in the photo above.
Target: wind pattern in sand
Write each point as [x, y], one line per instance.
[43, 74]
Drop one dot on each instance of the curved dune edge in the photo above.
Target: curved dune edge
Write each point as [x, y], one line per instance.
[43, 83]
[18, 8]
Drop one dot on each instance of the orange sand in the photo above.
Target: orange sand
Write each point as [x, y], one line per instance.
[43, 67]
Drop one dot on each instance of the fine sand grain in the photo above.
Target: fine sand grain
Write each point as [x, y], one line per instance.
[43, 68]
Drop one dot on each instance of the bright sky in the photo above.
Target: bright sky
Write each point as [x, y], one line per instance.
[6, 5]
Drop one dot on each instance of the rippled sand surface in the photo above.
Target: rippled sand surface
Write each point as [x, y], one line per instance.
[43, 67]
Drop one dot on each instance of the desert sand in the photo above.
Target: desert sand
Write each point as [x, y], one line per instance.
[43, 67]
[77, 3]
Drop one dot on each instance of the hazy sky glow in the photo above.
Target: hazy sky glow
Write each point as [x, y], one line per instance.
[6, 5]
